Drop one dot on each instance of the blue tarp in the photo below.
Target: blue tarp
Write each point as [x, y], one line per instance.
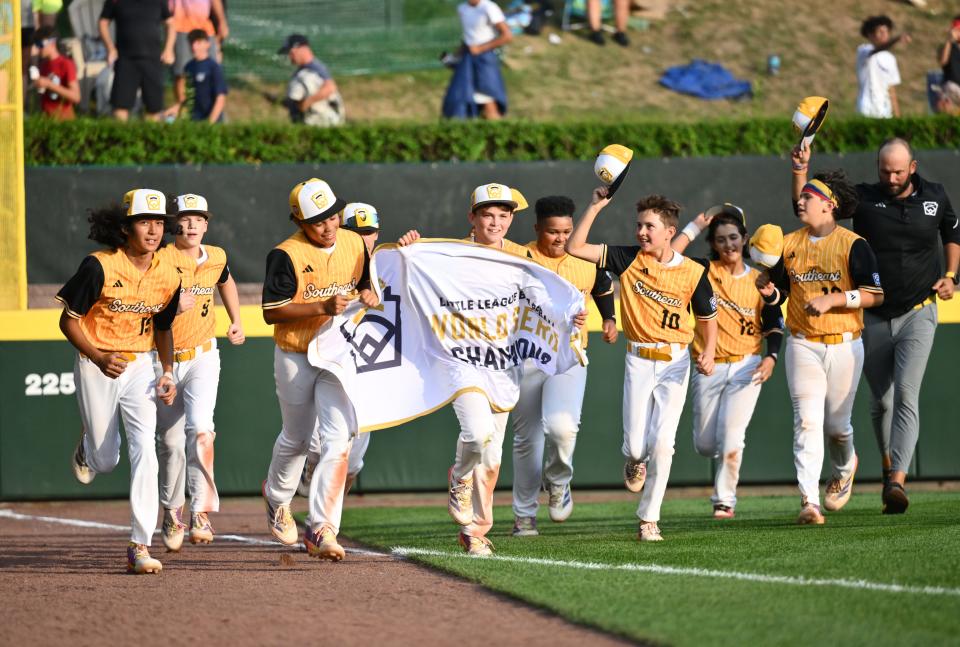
[705, 80]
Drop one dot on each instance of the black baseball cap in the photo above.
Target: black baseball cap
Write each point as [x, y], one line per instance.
[291, 41]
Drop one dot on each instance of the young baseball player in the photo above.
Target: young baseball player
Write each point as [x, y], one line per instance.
[476, 466]
[658, 288]
[723, 403]
[119, 304]
[547, 415]
[830, 275]
[311, 277]
[185, 429]
[363, 219]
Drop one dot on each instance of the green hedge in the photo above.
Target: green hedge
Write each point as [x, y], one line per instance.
[102, 142]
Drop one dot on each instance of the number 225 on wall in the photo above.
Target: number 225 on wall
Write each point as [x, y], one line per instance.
[49, 384]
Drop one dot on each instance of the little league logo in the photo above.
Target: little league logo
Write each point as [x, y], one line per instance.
[153, 202]
[376, 337]
[930, 208]
[605, 175]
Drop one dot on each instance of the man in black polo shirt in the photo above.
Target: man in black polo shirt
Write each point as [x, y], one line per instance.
[905, 219]
[140, 53]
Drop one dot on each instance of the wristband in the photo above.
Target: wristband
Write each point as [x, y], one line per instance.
[691, 231]
[853, 299]
[773, 355]
[950, 275]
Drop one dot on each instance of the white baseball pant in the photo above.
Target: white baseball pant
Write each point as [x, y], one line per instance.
[310, 396]
[480, 452]
[103, 402]
[653, 395]
[823, 382]
[723, 404]
[185, 435]
[357, 451]
[547, 415]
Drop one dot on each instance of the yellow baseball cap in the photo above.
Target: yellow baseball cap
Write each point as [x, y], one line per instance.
[496, 193]
[141, 203]
[809, 117]
[766, 245]
[360, 217]
[313, 200]
[191, 203]
[612, 165]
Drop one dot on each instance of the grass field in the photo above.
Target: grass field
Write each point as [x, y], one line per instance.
[757, 579]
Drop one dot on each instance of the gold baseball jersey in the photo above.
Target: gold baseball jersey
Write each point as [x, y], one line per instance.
[199, 277]
[118, 305]
[812, 267]
[508, 246]
[743, 319]
[584, 275]
[655, 297]
[300, 272]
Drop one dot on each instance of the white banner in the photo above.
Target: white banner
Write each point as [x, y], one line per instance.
[454, 317]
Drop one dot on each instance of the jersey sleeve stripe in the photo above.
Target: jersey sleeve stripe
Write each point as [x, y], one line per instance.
[870, 288]
[66, 307]
[603, 257]
[708, 317]
[275, 304]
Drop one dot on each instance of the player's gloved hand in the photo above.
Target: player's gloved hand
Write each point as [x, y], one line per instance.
[187, 301]
[705, 364]
[369, 298]
[820, 305]
[409, 238]
[235, 334]
[764, 371]
[610, 331]
[166, 389]
[580, 319]
[335, 305]
[111, 364]
[944, 288]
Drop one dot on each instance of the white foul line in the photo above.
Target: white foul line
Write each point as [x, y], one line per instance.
[401, 551]
[81, 523]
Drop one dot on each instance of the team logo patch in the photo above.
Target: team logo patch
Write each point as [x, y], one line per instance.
[494, 192]
[153, 202]
[376, 337]
[605, 175]
[320, 199]
[201, 76]
[931, 208]
[876, 279]
[190, 202]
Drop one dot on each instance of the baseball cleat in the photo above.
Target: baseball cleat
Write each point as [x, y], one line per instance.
[323, 544]
[460, 506]
[475, 546]
[895, 499]
[525, 527]
[810, 514]
[839, 491]
[721, 511]
[303, 488]
[348, 484]
[280, 521]
[649, 531]
[634, 474]
[201, 530]
[561, 502]
[81, 470]
[139, 561]
[172, 529]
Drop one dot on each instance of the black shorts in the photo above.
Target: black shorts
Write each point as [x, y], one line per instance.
[132, 74]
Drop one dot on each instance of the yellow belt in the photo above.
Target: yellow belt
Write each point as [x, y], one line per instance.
[124, 355]
[831, 339]
[729, 359]
[662, 354]
[187, 355]
[926, 302]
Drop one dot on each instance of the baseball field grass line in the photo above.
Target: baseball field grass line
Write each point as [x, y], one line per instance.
[403, 551]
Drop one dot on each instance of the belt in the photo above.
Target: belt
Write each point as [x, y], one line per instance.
[926, 302]
[830, 340]
[126, 356]
[729, 359]
[190, 353]
[660, 354]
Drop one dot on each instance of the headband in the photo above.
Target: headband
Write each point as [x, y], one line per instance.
[819, 189]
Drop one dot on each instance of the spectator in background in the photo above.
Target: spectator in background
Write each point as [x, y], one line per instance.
[206, 94]
[189, 16]
[877, 71]
[57, 81]
[477, 85]
[950, 62]
[621, 9]
[47, 11]
[312, 95]
[139, 54]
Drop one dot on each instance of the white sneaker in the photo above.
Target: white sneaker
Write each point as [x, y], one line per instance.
[525, 527]
[280, 521]
[476, 546]
[561, 502]
[171, 532]
[460, 505]
[649, 531]
[78, 462]
[634, 475]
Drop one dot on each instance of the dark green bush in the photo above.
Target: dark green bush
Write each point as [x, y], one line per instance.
[102, 142]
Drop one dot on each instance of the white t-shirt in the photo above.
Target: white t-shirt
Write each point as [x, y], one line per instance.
[478, 22]
[876, 75]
